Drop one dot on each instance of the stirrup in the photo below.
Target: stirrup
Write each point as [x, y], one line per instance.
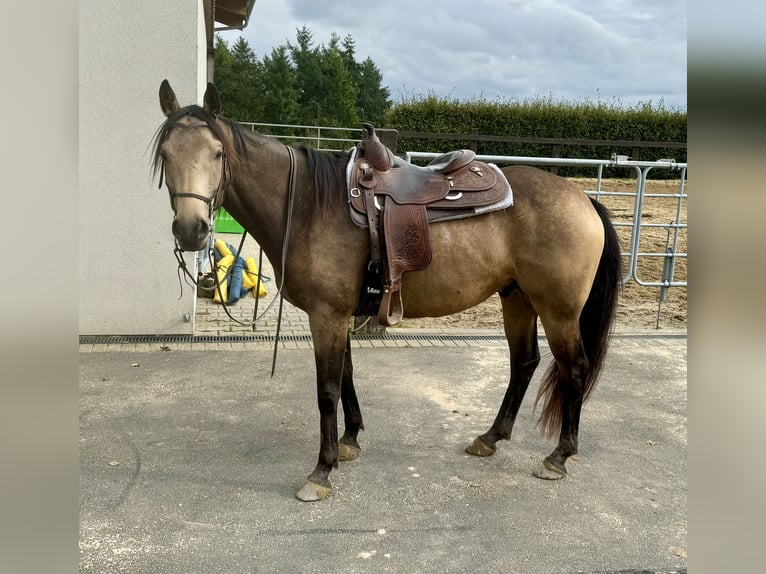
[387, 316]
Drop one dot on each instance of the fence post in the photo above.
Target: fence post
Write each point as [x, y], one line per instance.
[635, 151]
[388, 138]
[556, 153]
[475, 142]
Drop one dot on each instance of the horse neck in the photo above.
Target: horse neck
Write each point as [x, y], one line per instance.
[258, 194]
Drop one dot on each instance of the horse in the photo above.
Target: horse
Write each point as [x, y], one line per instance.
[552, 255]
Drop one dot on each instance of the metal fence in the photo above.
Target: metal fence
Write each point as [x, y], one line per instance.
[321, 137]
[639, 197]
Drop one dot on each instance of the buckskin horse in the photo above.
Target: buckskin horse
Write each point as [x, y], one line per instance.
[552, 254]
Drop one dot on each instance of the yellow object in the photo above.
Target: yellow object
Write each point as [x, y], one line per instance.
[247, 282]
[221, 247]
[250, 277]
[220, 268]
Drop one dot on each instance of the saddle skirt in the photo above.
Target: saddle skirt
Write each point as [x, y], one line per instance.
[396, 201]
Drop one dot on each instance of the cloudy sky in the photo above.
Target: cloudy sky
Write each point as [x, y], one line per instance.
[575, 50]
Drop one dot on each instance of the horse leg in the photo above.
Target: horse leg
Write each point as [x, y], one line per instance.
[563, 388]
[329, 335]
[348, 447]
[520, 322]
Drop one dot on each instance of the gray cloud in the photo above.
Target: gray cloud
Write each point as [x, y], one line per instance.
[570, 49]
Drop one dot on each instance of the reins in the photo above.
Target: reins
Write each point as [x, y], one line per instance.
[290, 202]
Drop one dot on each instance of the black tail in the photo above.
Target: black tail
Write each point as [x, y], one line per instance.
[596, 322]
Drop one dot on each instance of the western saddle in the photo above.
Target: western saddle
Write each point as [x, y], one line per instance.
[396, 201]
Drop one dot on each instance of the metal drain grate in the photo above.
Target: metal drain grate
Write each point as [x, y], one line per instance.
[119, 339]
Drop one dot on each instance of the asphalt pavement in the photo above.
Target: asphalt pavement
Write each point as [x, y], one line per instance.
[190, 458]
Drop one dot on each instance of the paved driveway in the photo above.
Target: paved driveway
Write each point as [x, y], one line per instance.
[190, 460]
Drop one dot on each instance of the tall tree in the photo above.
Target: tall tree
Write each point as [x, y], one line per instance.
[223, 76]
[373, 99]
[349, 56]
[337, 88]
[246, 102]
[301, 83]
[280, 100]
[306, 59]
[237, 74]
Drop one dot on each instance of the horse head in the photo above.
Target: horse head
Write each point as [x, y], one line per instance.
[190, 154]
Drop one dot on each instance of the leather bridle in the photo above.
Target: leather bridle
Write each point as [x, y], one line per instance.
[215, 200]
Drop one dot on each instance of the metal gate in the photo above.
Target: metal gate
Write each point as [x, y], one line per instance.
[661, 266]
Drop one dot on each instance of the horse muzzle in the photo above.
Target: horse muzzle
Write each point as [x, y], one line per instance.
[191, 234]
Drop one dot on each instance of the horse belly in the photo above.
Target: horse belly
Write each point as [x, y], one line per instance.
[471, 260]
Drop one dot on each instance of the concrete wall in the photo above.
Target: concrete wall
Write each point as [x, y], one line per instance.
[127, 271]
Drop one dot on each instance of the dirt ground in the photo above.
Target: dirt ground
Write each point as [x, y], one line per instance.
[638, 306]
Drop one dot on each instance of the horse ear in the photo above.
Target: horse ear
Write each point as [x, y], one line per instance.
[212, 101]
[168, 100]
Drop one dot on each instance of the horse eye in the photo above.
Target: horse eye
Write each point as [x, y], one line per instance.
[219, 153]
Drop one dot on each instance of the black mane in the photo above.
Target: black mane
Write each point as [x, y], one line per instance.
[328, 170]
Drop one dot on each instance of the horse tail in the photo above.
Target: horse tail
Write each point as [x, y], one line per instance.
[596, 320]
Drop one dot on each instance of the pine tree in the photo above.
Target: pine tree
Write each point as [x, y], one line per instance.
[306, 60]
[238, 76]
[349, 57]
[280, 100]
[373, 99]
[246, 104]
[338, 91]
[222, 71]
[301, 83]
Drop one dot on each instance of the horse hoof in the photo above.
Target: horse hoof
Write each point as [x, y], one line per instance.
[547, 471]
[347, 452]
[480, 448]
[311, 492]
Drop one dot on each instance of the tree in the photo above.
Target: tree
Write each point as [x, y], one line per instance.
[247, 70]
[223, 76]
[373, 99]
[349, 57]
[301, 83]
[306, 60]
[237, 75]
[280, 100]
[337, 88]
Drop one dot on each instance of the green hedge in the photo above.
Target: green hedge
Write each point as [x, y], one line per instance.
[541, 118]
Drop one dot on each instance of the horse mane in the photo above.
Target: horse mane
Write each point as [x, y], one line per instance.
[328, 170]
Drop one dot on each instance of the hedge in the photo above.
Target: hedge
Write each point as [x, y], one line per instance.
[542, 118]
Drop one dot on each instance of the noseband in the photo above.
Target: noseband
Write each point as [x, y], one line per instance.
[216, 199]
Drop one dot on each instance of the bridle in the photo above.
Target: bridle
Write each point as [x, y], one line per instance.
[215, 200]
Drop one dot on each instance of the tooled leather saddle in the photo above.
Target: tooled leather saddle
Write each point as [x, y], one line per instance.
[396, 201]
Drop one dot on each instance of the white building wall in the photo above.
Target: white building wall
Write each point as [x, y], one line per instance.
[127, 272]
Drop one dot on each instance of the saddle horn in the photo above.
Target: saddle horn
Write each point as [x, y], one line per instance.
[373, 149]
